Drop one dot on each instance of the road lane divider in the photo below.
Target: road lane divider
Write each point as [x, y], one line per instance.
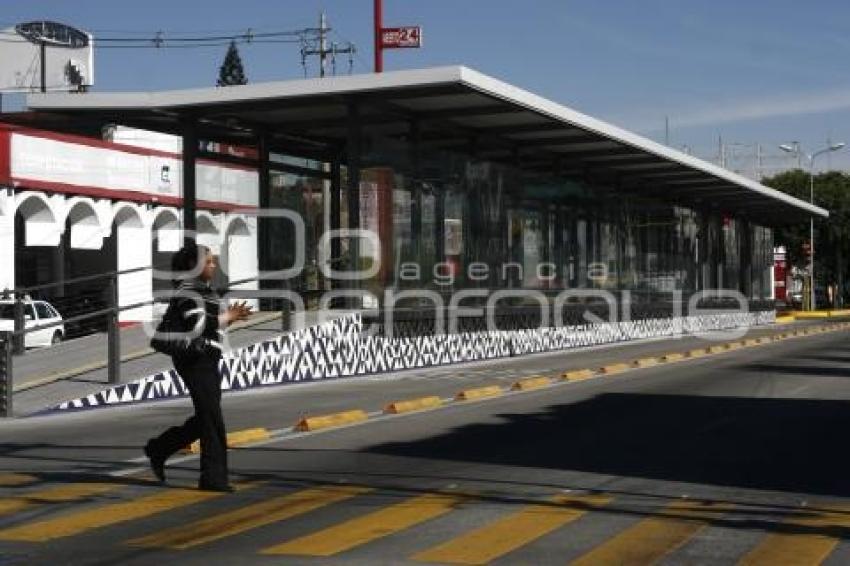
[611, 369]
[307, 424]
[529, 383]
[698, 352]
[479, 393]
[235, 439]
[410, 405]
[578, 375]
[672, 357]
[646, 362]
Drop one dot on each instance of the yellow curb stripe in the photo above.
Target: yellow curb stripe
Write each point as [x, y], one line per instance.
[248, 518]
[646, 362]
[812, 547]
[611, 369]
[530, 383]
[410, 405]
[60, 494]
[13, 479]
[370, 527]
[105, 515]
[504, 535]
[478, 393]
[236, 438]
[652, 538]
[673, 357]
[578, 375]
[332, 420]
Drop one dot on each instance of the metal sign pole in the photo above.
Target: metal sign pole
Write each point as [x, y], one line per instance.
[18, 337]
[5, 374]
[113, 335]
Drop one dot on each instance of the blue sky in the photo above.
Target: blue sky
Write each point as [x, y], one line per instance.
[753, 72]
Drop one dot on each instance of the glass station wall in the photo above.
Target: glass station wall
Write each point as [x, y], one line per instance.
[448, 222]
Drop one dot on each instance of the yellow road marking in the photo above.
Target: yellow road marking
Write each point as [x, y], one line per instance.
[652, 538]
[646, 362]
[60, 494]
[247, 518]
[362, 530]
[104, 515]
[805, 548]
[235, 438]
[530, 383]
[614, 368]
[332, 420]
[509, 533]
[478, 393]
[578, 375]
[12, 479]
[409, 405]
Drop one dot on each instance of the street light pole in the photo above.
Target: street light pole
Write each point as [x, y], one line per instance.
[795, 148]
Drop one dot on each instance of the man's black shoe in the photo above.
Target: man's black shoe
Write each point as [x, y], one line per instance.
[226, 488]
[157, 463]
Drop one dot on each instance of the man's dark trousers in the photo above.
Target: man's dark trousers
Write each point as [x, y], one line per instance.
[202, 378]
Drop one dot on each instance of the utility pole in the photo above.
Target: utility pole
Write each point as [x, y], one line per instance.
[322, 49]
[379, 47]
[43, 66]
[666, 130]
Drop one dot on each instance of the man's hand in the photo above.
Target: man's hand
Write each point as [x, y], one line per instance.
[236, 312]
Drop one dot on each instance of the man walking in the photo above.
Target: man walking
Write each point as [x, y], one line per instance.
[197, 309]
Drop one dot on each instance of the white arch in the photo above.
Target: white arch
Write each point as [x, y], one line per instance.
[165, 230]
[239, 253]
[127, 215]
[207, 231]
[41, 227]
[85, 224]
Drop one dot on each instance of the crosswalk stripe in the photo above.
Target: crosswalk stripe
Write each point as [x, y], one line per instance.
[104, 515]
[60, 494]
[12, 479]
[249, 517]
[509, 533]
[654, 537]
[805, 548]
[367, 528]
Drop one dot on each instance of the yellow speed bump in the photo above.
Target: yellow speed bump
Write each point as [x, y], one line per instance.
[528, 383]
[672, 357]
[698, 352]
[611, 369]
[732, 345]
[410, 405]
[328, 421]
[478, 393]
[716, 349]
[645, 362]
[578, 375]
[235, 438]
[752, 342]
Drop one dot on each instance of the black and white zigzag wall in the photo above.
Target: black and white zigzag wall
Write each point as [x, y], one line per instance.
[339, 348]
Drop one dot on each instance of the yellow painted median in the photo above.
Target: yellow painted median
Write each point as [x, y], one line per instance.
[329, 421]
[530, 383]
[578, 375]
[478, 393]
[235, 438]
[411, 405]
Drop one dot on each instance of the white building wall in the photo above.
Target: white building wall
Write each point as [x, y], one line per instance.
[7, 239]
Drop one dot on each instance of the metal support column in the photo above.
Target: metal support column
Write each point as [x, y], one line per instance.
[113, 334]
[6, 374]
[18, 344]
[336, 214]
[353, 149]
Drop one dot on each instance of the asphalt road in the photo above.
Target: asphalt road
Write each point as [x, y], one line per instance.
[737, 457]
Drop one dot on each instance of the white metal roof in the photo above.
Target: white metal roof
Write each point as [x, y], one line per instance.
[456, 105]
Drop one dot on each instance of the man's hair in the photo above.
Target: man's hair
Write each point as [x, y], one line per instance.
[186, 259]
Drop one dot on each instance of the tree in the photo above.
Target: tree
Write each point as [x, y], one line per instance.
[231, 71]
[832, 235]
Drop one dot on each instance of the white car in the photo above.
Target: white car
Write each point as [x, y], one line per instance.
[36, 313]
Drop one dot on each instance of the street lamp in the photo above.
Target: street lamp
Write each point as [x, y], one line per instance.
[794, 148]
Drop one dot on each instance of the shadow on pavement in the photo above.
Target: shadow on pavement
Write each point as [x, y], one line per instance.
[775, 444]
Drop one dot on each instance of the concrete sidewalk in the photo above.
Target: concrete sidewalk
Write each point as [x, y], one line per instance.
[33, 395]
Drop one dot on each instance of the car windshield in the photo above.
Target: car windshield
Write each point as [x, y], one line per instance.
[7, 311]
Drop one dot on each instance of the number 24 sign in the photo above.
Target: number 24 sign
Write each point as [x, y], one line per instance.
[394, 38]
